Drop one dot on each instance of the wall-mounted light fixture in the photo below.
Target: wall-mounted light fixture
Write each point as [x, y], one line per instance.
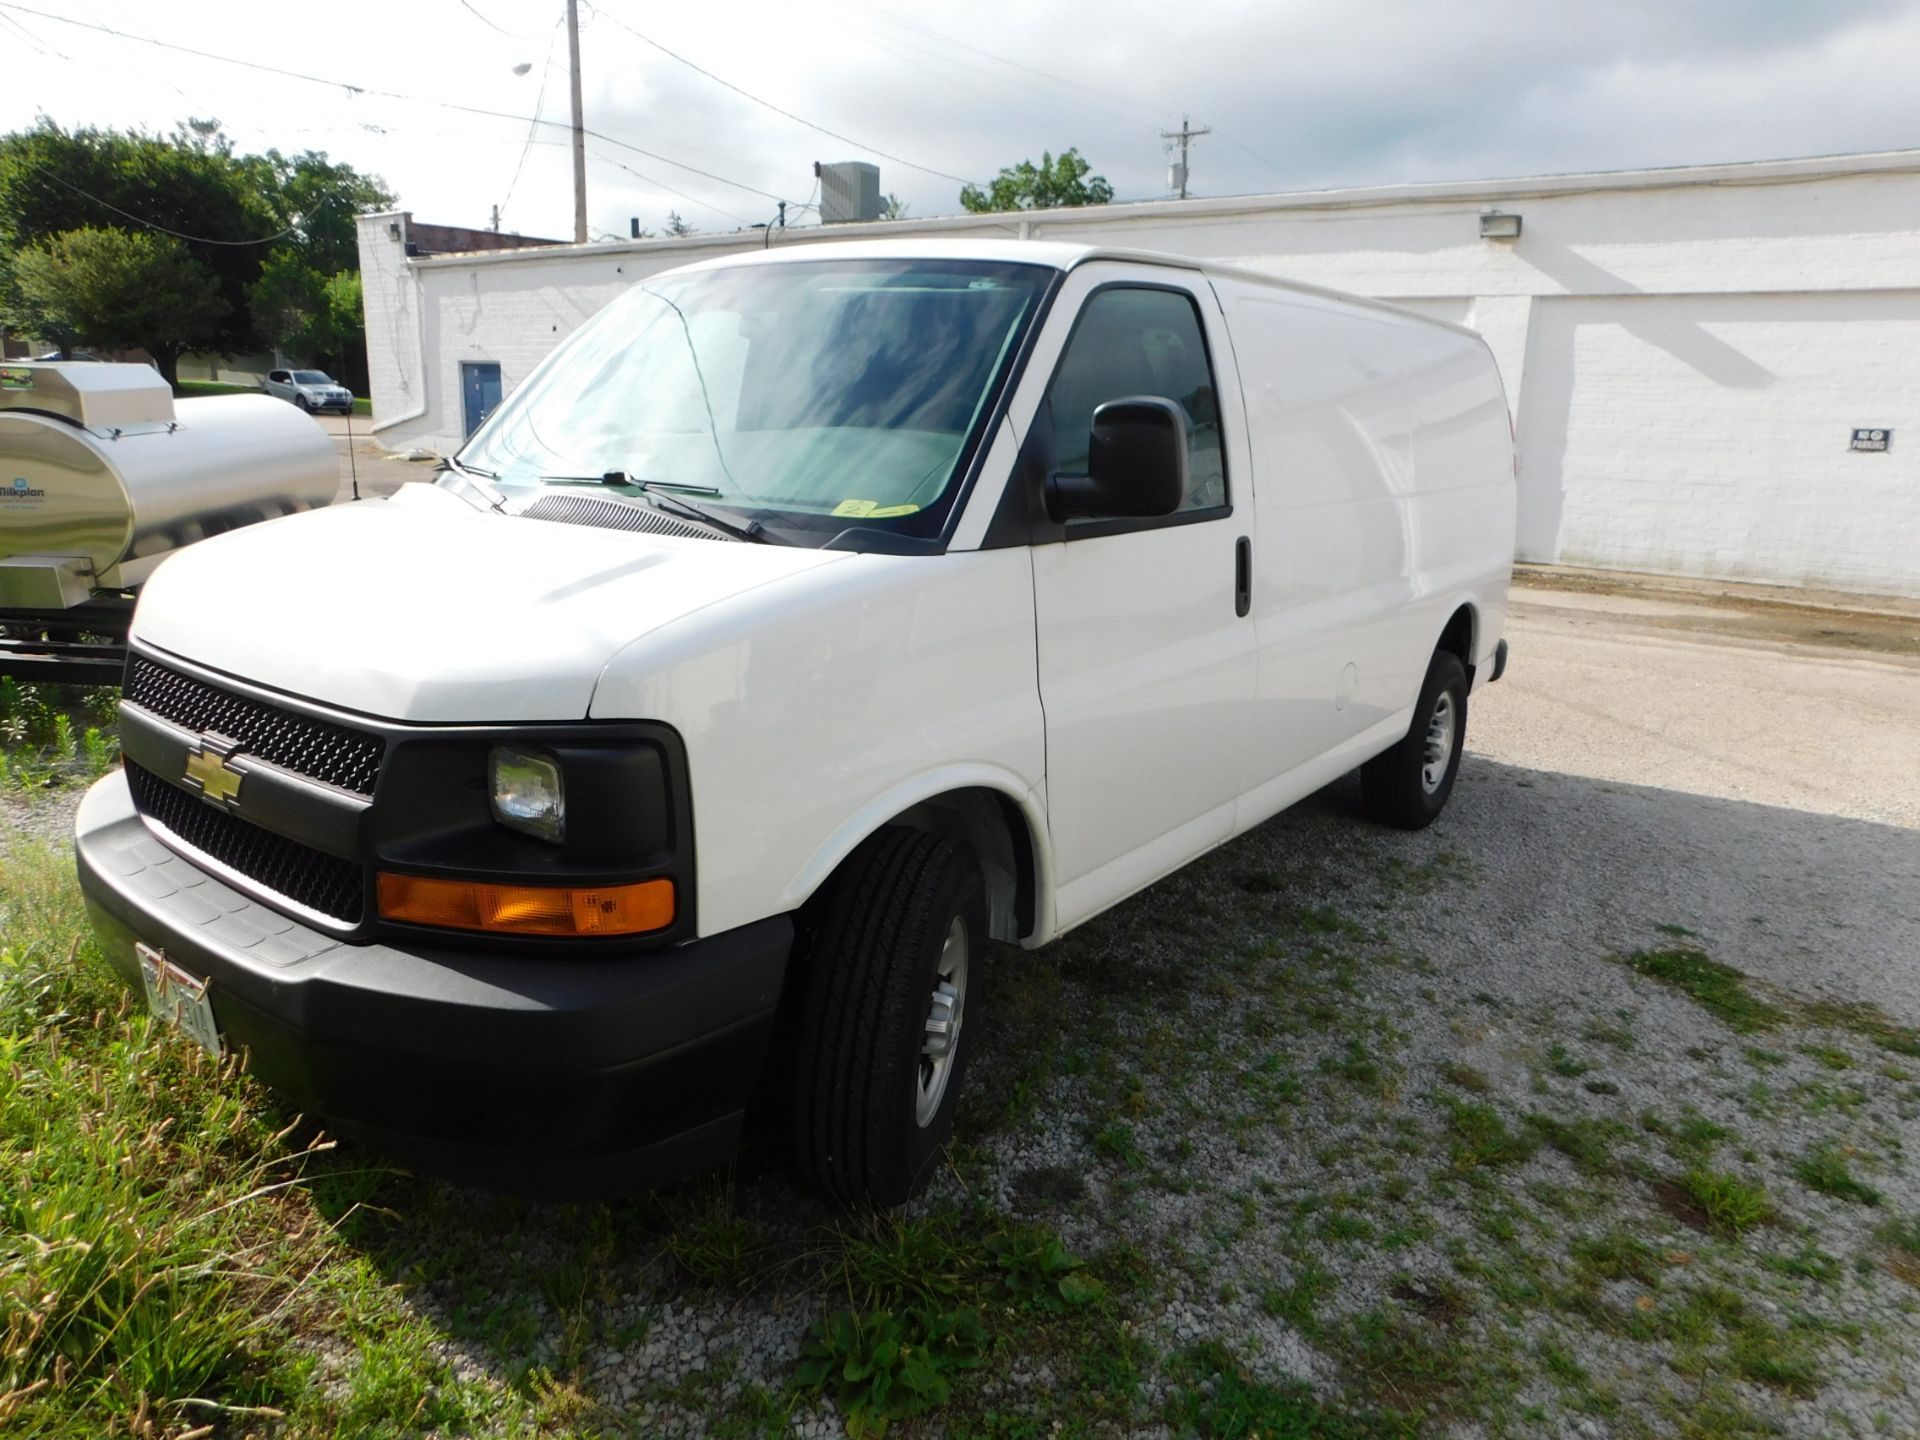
[1496, 226]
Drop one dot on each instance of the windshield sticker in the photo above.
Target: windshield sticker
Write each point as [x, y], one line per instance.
[13, 378]
[870, 510]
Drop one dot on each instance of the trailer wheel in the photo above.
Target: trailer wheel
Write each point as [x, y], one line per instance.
[1408, 785]
[883, 1044]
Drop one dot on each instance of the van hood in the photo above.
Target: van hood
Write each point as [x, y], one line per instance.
[423, 607]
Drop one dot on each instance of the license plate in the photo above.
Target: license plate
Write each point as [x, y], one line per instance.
[178, 998]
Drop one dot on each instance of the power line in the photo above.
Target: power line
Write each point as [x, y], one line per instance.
[386, 94]
[539, 103]
[892, 45]
[879, 13]
[467, 4]
[661, 184]
[155, 225]
[798, 120]
[43, 46]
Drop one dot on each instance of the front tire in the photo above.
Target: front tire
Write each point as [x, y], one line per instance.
[300, 401]
[1407, 786]
[883, 1041]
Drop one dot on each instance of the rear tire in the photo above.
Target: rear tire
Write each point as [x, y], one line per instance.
[882, 1046]
[1408, 786]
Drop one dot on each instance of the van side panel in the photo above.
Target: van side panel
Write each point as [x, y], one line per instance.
[1383, 488]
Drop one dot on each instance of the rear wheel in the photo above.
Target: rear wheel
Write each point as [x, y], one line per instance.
[883, 1040]
[1408, 785]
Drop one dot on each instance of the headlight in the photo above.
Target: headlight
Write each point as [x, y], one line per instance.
[526, 793]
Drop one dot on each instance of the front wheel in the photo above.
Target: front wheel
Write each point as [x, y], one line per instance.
[301, 401]
[883, 1036]
[1408, 785]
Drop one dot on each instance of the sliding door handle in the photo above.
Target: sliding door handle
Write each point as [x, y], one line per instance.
[1242, 575]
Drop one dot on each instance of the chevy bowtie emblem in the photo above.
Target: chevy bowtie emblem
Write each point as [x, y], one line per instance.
[209, 772]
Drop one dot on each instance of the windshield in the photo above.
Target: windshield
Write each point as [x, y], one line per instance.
[813, 395]
[312, 377]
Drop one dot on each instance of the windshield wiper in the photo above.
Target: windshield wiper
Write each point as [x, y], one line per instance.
[470, 473]
[655, 491]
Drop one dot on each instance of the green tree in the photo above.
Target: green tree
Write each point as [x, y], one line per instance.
[53, 182]
[347, 330]
[289, 304]
[321, 202]
[318, 320]
[118, 289]
[1046, 186]
[233, 212]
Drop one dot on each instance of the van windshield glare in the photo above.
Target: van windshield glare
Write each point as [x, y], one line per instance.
[815, 395]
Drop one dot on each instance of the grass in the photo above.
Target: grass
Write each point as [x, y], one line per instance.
[1298, 1302]
[1617, 1254]
[128, 1279]
[1728, 1202]
[338, 1299]
[1869, 1022]
[1825, 1168]
[1480, 1137]
[55, 735]
[1218, 1401]
[1718, 989]
[1586, 1141]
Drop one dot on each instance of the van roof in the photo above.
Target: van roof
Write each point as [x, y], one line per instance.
[1054, 254]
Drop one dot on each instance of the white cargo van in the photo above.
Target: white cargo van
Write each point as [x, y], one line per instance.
[803, 622]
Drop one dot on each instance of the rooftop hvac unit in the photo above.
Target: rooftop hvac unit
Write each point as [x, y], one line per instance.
[849, 190]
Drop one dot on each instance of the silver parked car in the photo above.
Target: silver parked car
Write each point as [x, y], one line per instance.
[310, 390]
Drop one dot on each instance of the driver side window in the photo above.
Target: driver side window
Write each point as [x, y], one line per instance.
[1136, 341]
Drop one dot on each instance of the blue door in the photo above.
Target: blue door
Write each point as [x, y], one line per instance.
[479, 391]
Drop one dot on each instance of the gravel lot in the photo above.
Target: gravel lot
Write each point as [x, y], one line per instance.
[1589, 1111]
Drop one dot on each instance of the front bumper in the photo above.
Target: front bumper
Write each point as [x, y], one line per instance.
[537, 1072]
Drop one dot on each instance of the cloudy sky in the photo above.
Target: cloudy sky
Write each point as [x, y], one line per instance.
[1299, 94]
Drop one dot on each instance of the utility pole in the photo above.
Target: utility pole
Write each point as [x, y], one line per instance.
[1177, 180]
[579, 127]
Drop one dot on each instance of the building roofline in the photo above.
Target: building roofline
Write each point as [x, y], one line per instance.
[1738, 173]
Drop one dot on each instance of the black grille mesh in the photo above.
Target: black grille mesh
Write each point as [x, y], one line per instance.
[304, 875]
[319, 749]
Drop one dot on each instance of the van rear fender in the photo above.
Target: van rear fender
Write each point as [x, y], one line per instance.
[1460, 637]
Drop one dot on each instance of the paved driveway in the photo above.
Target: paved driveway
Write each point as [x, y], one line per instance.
[363, 460]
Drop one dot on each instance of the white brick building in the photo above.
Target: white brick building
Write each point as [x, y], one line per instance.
[1687, 352]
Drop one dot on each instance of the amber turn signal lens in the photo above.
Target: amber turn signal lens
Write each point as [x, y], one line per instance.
[528, 909]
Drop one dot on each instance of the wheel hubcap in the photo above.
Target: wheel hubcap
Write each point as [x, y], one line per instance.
[945, 1011]
[1439, 751]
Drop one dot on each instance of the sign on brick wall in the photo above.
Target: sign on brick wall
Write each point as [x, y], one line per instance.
[1872, 441]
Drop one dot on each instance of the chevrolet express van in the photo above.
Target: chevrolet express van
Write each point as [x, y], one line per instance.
[803, 622]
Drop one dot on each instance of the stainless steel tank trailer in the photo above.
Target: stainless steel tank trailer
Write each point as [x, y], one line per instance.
[102, 476]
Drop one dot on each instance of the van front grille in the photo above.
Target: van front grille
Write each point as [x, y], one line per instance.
[332, 754]
[308, 877]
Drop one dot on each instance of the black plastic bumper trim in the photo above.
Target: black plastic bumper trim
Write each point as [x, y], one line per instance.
[562, 1063]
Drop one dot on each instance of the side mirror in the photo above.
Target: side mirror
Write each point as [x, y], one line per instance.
[1136, 464]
